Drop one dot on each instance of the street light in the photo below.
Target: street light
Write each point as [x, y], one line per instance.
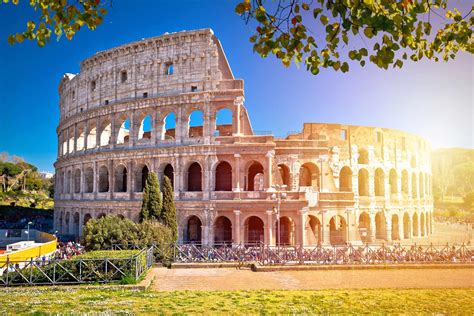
[278, 196]
[29, 223]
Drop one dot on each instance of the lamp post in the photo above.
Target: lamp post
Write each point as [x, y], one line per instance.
[278, 196]
[29, 223]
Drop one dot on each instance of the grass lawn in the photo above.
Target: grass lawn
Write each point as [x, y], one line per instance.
[68, 300]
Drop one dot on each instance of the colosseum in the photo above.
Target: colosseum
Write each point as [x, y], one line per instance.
[170, 104]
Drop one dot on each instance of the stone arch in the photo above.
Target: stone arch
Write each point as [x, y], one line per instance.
[363, 158]
[255, 174]
[404, 182]
[140, 177]
[77, 181]
[393, 181]
[287, 231]
[123, 135]
[379, 182]
[169, 127]
[310, 176]
[254, 230]
[364, 227]
[223, 177]
[89, 180]
[380, 225]
[313, 230]
[121, 175]
[103, 179]
[194, 177]
[363, 182]
[105, 133]
[285, 175]
[168, 171]
[195, 124]
[416, 232]
[406, 225]
[337, 230]
[146, 128]
[345, 179]
[222, 230]
[395, 227]
[193, 230]
[223, 125]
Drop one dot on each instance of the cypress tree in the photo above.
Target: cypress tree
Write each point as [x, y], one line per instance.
[168, 211]
[152, 203]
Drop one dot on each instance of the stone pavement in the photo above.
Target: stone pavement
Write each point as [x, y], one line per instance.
[233, 279]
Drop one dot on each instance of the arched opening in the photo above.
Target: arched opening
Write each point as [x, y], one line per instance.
[422, 224]
[71, 142]
[287, 231]
[364, 227]
[223, 122]
[77, 181]
[222, 230]
[309, 176]
[415, 230]
[313, 231]
[363, 157]
[345, 179]
[76, 224]
[414, 187]
[80, 139]
[195, 124]
[363, 181]
[195, 177]
[223, 177]
[120, 179]
[61, 222]
[393, 181]
[105, 134]
[337, 230]
[101, 215]
[69, 181]
[140, 178]
[92, 138]
[254, 230]
[144, 132]
[103, 179]
[379, 182]
[406, 226]
[87, 218]
[123, 135]
[67, 224]
[89, 180]
[395, 229]
[169, 127]
[168, 171]
[121, 216]
[255, 177]
[405, 182]
[193, 230]
[285, 175]
[380, 226]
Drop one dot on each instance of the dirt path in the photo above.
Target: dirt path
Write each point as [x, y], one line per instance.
[232, 279]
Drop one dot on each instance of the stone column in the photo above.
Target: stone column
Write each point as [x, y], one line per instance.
[236, 128]
[86, 135]
[269, 229]
[205, 235]
[419, 225]
[325, 234]
[130, 174]
[67, 143]
[157, 130]
[111, 179]
[75, 139]
[388, 228]
[237, 238]
[351, 227]
[97, 132]
[400, 227]
[114, 133]
[236, 173]
[268, 170]
[81, 222]
[95, 179]
[82, 181]
[372, 227]
[178, 130]
[133, 134]
[303, 215]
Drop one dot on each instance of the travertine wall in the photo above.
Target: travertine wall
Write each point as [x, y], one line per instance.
[343, 183]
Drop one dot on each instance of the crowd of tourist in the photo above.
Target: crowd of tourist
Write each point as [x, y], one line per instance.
[66, 250]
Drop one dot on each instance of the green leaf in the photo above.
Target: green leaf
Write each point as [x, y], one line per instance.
[345, 67]
[368, 32]
[324, 19]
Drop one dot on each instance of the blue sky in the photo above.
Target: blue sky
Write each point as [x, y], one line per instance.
[434, 100]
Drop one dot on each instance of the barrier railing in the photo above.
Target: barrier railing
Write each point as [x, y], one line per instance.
[75, 270]
[349, 254]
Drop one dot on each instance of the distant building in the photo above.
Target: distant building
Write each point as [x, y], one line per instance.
[46, 174]
[128, 112]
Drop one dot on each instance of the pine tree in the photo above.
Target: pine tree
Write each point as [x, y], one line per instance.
[168, 211]
[152, 203]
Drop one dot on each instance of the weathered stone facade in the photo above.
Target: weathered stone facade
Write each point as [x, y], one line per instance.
[343, 183]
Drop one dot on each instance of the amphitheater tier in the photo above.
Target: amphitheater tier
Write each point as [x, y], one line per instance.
[132, 110]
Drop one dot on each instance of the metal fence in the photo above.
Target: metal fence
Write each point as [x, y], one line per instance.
[75, 271]
[348, 254]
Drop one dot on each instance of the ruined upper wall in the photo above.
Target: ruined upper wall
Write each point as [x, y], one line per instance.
[142, 70]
